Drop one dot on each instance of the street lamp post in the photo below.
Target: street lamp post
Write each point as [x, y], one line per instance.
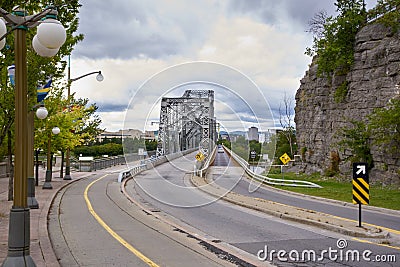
[99, 78]
[19, 219]
[49, 164]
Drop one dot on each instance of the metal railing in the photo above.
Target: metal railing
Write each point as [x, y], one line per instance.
[202, 170]
[3, 169]
[268, 180]
[151, 163]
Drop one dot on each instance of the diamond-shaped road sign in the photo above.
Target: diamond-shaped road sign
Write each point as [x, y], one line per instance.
[285, 158]
[200, 156]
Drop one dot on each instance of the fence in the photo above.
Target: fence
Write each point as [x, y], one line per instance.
[268, 180]
[151, 163]
[3, 169]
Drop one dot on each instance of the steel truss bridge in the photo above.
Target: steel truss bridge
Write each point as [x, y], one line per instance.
[187, 122]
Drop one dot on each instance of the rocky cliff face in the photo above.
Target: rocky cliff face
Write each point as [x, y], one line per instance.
[372, 82]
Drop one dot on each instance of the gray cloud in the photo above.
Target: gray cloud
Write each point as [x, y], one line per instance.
[109, 107]
[132, 29]
[278, 12]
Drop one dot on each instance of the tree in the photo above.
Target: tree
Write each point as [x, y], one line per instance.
[39, 68]
[356, 139]
[385, 127]
[282, 144]
[73, 117]
[386, 12]
[334, 40]
[286, 121]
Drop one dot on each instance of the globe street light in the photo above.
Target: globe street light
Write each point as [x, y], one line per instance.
[99, 78]
[49, 171]
[19, 220]
[41, 113]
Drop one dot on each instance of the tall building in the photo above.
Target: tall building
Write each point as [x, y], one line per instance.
[253, 133]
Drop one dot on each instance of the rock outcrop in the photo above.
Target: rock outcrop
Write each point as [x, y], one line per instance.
[373, 80]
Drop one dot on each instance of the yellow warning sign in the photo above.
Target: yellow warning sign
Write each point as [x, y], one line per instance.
[360, 184]
[200, 156]
[285, 158]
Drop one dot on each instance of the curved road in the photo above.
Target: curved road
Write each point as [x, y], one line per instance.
[167, 191]
[348, 211]
[92, 223]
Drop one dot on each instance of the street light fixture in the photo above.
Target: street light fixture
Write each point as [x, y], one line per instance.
[19, 220]
[99, 78]
[49, 170]
[41, 113]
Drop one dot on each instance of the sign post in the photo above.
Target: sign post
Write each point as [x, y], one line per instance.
[360, 187]
[285, 159]
[253, 156]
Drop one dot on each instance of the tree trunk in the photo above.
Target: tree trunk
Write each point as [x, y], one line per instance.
[62, 165]
[10, 168]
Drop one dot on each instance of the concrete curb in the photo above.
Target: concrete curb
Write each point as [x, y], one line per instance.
[45, 244]
[333, 201]
[303, 216]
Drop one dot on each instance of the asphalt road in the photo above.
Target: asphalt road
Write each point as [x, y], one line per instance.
[349, 211]
[167, 190]
[92, 223]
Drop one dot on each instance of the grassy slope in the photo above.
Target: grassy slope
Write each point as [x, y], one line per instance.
[385, 197]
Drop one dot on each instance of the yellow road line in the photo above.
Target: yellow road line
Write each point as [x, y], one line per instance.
[397, 232]
[379, 244]
[110, 231]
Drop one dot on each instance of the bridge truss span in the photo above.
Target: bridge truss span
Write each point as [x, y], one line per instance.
[187, 122]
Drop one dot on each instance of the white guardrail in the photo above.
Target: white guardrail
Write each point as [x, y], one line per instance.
[268, 180]
[151, 163]
[203, 167]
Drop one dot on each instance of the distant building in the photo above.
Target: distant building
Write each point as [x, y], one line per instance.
[253, 134]
[129, 133]
[149, 135]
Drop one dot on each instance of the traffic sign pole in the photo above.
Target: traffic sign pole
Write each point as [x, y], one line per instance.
[360, 187]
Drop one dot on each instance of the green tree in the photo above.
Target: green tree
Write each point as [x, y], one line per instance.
[283, 146]
[334, 43]
[241, 147]
[39, 68]
[74, 118]
[356, 139]
[151, 145]
[270, 147]
[385, 127]
[386, 12]
[254, 146]
[224, 142]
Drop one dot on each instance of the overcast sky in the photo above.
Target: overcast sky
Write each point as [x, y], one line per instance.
[134, 42]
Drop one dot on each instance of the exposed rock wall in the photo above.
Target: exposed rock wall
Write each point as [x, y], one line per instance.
[372, 82]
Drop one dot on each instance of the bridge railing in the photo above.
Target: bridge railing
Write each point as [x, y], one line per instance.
[264, 179]
[151, 163]
[202, 168]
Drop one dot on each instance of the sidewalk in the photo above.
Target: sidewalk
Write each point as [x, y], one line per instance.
[40, 247]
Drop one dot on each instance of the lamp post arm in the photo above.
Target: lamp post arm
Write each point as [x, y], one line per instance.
[87, 74]
[28, 21]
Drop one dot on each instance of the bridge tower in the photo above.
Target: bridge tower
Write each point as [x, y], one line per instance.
[187, 122]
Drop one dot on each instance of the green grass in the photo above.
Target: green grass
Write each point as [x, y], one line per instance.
[333, 188]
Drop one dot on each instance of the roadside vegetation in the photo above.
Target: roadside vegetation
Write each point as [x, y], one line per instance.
[114, 147]
[341, 189]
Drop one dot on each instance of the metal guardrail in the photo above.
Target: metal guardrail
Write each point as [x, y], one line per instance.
[203, 167]
[151, 163]
[268, 180]
[131, 172]
[3, 169]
